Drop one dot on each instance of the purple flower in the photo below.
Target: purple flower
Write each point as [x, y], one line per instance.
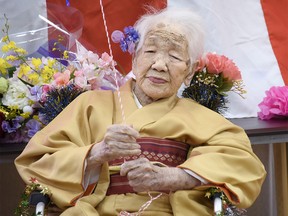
[13, 125]
[36, 93]
[131, 47]
[33, 126]
[132, 34]
[6, 126]
[123, 45]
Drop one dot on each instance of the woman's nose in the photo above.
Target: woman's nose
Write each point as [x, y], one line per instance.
[160, 64]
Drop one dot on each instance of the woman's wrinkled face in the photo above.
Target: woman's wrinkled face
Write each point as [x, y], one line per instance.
[162, 64]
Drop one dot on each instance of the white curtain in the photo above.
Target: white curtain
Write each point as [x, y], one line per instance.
[237, 29]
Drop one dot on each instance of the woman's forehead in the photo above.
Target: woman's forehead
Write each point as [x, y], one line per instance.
[167, 35]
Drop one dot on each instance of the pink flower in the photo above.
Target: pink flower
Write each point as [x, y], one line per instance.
[231, 71]
[45, 90]
[78, 73]
[33, 180]
[215, 63]
[95, 84]
[81, 80]
[275, 103]
[106, 60]
[62, 79]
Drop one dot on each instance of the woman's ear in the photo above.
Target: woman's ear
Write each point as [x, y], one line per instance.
[188, 78]
[190, 74]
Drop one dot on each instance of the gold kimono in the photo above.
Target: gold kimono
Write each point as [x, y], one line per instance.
[220, 153]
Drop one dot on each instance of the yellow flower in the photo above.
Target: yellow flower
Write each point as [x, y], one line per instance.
[3, 66]
[51, 62]
[33, 78]
[4, 39]
[11, 58]
[23, 70]
[10, 46]
[47, 74]
[36, 62]
[20, 51]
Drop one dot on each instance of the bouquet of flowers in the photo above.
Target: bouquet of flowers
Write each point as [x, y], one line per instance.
[275, 104]
[214, 77]
[34, 90]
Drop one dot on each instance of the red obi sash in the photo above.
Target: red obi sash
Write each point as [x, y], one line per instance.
[169, 152]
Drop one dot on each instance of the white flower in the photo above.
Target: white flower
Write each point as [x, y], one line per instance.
[87, 56]
[17, 94]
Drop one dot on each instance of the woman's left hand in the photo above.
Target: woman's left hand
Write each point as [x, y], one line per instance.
[144, 176]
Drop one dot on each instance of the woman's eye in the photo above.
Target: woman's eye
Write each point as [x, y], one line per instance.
[149, 51]
[176, 57]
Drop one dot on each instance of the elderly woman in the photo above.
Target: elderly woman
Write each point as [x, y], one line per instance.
[168, 148]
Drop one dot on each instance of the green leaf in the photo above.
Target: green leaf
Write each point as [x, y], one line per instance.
[11, 71]
[224, 85]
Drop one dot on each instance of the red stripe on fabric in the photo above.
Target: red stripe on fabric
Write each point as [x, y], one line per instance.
[169, 152]
[118, 15]
[119, 185]
[276, 18]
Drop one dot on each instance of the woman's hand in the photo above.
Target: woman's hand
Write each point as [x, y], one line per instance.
[144, 176]
[119, 141]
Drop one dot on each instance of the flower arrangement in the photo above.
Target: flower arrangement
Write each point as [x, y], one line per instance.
[228, 209]
[24, 206]
[35, 90]
[214, 77]
[275, 104]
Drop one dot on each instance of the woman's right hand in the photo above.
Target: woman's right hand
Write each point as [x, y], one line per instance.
[119, 141]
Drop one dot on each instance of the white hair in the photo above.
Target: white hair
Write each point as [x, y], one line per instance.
[185, 19]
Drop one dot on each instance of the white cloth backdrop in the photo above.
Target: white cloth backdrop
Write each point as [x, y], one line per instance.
[237, 29]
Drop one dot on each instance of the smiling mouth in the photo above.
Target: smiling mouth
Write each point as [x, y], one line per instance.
[156, 80]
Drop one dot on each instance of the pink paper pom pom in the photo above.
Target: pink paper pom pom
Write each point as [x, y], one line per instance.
[275, 104]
